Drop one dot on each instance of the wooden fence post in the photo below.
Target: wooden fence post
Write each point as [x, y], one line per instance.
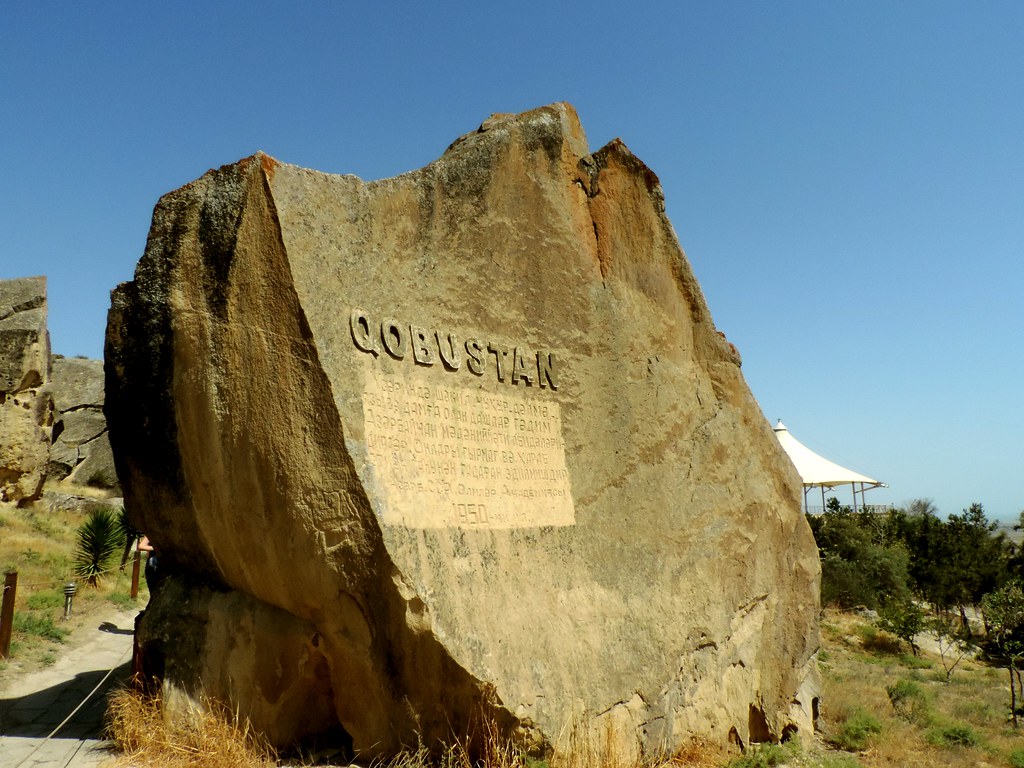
[135, 576]
[7, 613]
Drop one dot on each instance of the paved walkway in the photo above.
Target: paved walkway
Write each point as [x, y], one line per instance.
[32, 705]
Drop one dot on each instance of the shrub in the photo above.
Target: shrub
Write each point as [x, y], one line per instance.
[101, 478]
[855, 733]
[1017, 758]
[765, 756]
[909, 702]
[955, 735]
[878, 642]
[100, 538]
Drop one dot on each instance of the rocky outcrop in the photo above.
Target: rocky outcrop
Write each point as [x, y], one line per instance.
[26, 410]
[461, 441]
[51, 407]
[80, 452]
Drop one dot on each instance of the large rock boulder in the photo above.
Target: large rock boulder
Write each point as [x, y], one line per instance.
[26, 410]
[80, 452]
[462, 441]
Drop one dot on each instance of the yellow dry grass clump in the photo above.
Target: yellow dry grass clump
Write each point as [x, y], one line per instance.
[211, 737]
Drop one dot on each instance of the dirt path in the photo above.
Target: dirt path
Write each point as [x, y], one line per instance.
[33, 704]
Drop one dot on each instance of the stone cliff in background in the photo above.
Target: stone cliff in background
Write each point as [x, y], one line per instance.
[52, 425]
[26, 410]
[461, 440]
[80, 452]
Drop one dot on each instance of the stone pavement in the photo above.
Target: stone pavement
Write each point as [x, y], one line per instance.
[32, 705]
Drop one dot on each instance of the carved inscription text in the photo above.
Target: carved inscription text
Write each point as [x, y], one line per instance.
[428, 347]
[448, 456]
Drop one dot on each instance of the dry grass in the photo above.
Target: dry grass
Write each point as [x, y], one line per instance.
[490, 749]
[857, 668]
[210, 736]
[213, 737]
[697, 754]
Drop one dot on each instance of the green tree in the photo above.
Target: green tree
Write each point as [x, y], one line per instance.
[1004, 617]
[954, 640]
[903, 618]
[978, 561]
[857, 567]
[953, 563]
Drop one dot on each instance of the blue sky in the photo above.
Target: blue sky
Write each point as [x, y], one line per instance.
[847, 179]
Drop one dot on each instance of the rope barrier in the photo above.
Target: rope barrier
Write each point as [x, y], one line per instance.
[61, 581]
[74, 712]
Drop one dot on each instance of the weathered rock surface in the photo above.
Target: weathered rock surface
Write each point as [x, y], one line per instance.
[26, 411]
[462, 439]
[80, 451]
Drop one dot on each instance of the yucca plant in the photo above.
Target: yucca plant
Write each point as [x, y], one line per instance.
[99, 540]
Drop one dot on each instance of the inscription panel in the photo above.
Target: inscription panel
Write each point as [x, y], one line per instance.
[448, 456]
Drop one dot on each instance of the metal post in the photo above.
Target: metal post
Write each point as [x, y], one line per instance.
[135, 576]
[7, 613]
[69, 596]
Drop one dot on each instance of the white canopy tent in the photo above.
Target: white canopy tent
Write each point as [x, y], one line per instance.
[818, 472]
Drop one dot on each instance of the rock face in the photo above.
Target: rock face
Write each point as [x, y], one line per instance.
[461, 441]
[51, 407]
[80, 452]
[26, 410]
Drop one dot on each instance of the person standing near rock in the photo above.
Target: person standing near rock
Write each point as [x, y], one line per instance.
[151, 563]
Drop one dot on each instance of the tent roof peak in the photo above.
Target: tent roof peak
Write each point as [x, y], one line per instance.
[816, 470]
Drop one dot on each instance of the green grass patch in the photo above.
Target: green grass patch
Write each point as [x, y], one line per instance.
[910, 661]
[121, 599]
[38, 625]
[39, 601]
[975, 711]
[838, 761]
